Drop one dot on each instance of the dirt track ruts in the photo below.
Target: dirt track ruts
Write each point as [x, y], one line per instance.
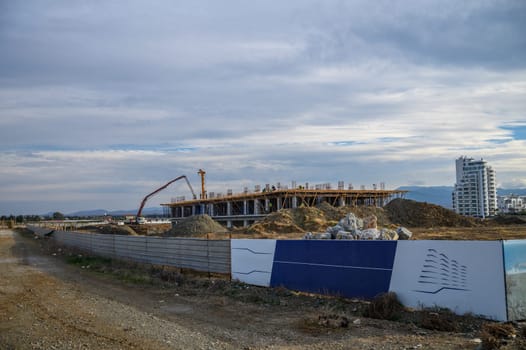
[47, 304]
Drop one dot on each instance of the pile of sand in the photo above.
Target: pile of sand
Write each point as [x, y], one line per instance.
[195, 226]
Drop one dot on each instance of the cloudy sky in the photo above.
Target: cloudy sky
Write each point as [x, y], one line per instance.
[103, 101]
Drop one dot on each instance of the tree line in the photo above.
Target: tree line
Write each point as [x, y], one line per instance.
[32, 218]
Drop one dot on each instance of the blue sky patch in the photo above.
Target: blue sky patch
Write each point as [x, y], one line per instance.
[343, 143]
[160, 147]
[519, 131]
[498, 141]
[389, 139]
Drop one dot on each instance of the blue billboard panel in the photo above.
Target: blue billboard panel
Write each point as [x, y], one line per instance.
[347, 268]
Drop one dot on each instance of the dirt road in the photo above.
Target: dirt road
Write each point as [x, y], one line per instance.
[48, 304]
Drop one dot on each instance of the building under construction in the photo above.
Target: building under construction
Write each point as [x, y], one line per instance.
[242, 209]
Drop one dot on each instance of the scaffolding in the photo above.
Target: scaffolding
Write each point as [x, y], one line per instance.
[242, 209]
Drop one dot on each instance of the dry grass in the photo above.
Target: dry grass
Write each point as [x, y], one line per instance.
[494, 335]
[471, 233]
[322, 324]
[437, 233]
[443, 321]
[385, 306]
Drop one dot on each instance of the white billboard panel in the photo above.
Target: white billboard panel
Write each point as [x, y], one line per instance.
[463, 276]
[252, 260]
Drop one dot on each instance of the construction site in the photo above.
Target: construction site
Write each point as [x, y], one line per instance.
[243, 209]
[274, 280]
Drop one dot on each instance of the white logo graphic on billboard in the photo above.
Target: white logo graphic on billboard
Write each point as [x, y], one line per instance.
[439, 273]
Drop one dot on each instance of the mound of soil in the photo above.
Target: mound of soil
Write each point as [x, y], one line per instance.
[112, 229]
[195, 226]
[311, 219]
[331, 213]
[398, 212]
[508, 220]
[410, 213]
[150, 229]
[335, 214]
[281, 221]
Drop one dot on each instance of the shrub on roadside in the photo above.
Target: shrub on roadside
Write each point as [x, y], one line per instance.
[385, 306]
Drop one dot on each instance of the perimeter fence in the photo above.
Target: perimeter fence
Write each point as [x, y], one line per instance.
[193, 253]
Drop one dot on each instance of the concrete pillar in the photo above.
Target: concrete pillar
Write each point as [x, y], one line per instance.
[256, 206]
[211, 209]
[294, 202]
[245, 207]
[342, 201]
[278, 203]
[229, 224]
[245, 223]
[266, 205]
[229, 210]
[193, 210]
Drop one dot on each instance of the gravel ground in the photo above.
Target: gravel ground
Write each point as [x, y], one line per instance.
[48, 304]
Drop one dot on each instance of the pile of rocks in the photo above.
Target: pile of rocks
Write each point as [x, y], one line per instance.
[352, 227]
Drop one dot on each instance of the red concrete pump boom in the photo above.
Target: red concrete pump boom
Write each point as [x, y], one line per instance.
[162, 188]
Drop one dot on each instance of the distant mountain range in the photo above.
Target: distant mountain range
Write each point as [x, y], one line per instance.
[441, 195]
[101, 212]
[518, 191]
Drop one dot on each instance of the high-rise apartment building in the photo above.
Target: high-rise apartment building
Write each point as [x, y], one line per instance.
[475, 192]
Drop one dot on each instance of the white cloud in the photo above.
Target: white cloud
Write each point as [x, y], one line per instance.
[99, 105]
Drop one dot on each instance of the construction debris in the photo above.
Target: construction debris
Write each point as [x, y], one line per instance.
[403, 233]
[333, 321]
[370, 222]
[390, 235]
[352, 227]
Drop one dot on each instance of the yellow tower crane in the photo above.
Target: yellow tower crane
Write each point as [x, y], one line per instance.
[202, 173]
